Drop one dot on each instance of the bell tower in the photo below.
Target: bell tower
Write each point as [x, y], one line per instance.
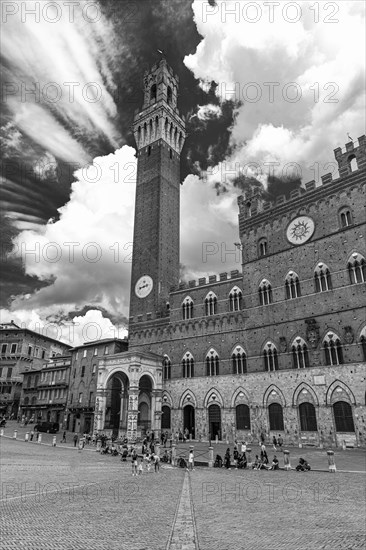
[159, 134]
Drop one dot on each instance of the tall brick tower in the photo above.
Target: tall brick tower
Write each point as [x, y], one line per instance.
[159, 133]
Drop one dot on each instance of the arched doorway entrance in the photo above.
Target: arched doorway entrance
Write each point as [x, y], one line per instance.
[189, 420]
[116, 403]
[214, 421]
[144, 406]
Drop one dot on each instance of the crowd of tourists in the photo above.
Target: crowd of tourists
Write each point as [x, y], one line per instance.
[239, 459]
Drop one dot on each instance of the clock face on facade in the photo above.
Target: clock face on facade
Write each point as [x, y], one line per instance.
[300, 230]
[143, 286]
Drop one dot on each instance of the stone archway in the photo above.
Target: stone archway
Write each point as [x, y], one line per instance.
[132, 380]
[116, 403]
[144, 405]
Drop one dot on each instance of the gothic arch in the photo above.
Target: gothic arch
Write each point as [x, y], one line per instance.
[346, 393]
[210, 400]
[168, 401]
[297, 398]
[238, 400]
[278, 398]
[187, 398]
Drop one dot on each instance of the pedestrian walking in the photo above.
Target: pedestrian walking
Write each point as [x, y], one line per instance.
[134, 462]
[156, 463]
[140, 466]
[263, 437]
[81, 444]
[75, 438]
[191, 460]
[280, 442]
[31, 435]
[274, 442]
[63, 440]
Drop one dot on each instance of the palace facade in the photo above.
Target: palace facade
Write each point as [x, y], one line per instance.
[279, 347]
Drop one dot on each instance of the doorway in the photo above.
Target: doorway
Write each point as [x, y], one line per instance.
[214, 421]
[189, 420]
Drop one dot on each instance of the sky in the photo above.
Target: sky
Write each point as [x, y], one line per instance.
[267, 91]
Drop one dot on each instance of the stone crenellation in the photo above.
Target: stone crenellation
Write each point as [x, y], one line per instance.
[252, 202]
[202, 281]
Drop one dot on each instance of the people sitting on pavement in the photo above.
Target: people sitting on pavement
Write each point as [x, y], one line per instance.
[303, 465]
[256, 463]
[275, 464]
[218, 462]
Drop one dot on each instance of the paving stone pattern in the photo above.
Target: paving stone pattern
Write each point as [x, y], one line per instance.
[56, 498]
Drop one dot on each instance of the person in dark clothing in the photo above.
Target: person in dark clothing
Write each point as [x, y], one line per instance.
[303, 465]
[227, 459]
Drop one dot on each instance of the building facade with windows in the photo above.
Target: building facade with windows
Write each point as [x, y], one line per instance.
[44, 391]
[81, 401]
[22, 350]
[279, 347]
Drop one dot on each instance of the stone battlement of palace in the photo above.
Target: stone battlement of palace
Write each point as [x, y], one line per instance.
[203, 281]
[252, 202]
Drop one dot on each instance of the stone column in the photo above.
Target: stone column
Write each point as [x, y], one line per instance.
[210, 457]
[173, 454]
[249, 457]
[331, 462]
[132, 414]
[156, 413]
[99, 414]
[286, 460]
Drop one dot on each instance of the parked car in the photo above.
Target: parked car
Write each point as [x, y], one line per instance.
[48, 427]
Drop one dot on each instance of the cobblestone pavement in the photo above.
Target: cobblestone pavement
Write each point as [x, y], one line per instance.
[57, 498]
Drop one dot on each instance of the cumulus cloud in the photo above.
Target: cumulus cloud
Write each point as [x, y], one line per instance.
[86, 254]
[298, 85]
[209, 111]
[208, 229]
[75, 332]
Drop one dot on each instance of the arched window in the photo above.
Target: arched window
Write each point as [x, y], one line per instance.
[292, 286]
[187, 308]
[352, 163]
[239, 361]
[332, 349]
[275, 417]
[322, 278]
[167, 367]
[356, 269]
[343, 417]
[212, 363]
[169, 95]
[26, 400]
[235, 299]
[300, 354]
[265, 293]
[307, 417]
[29, 380]
[363, 342]
[242, 417]
[165, 417]
[345, 217]
[262, 247]
[188, 365]
[210, 304]
[153, 93]
[270, 357]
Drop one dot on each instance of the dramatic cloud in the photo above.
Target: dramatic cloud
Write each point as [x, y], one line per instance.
[85, 256]
[294, 73]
